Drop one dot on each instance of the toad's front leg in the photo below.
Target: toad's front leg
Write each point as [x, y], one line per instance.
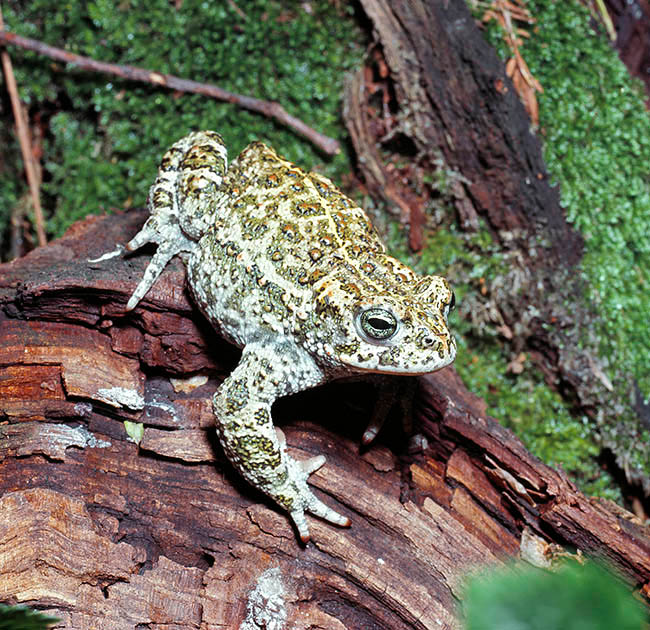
[242, 406]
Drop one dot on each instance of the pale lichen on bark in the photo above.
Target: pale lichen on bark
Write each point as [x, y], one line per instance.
[266, 606]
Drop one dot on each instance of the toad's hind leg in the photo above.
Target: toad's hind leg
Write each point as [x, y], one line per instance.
[242, 406]
[181, 202]
[392, 391]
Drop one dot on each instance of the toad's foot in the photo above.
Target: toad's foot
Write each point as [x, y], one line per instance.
[392, 391]
[171, 241]
[299, 494]
[242, 407]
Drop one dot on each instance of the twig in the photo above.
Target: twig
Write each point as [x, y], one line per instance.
[25, 143]
[506, 13]
[268, 108]
[607, 21]
[237, 10]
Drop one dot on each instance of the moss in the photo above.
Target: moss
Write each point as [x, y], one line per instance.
[596, 134]
[108, 134]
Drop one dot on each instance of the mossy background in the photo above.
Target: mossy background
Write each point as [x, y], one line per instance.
[596, 136]
[105, 136]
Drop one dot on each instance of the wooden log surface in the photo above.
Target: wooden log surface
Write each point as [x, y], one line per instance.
[107, 534]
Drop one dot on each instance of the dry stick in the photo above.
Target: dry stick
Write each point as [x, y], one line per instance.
[25, 142]
[237, 10]
[268, 108]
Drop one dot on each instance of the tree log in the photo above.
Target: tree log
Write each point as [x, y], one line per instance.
[455, 100]
[108, 534]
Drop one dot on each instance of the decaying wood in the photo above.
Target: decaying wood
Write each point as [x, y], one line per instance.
[267, 108]
[110, 535]
[456, 102]
[631, 22]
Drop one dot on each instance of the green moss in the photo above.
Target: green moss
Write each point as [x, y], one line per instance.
[108, 134]
[596, 134]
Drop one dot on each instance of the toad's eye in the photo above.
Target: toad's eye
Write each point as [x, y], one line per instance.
[377, 323]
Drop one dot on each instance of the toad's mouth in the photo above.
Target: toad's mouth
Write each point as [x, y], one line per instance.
[391, 361]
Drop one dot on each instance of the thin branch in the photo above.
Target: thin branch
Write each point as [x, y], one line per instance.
[132, 73]
[25, 143]
[598, 10]
[237, 10]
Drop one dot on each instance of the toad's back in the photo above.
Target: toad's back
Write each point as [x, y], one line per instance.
[280, 237]
[276, 232]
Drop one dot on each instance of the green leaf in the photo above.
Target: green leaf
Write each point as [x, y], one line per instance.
[135, 430]
[574, 598]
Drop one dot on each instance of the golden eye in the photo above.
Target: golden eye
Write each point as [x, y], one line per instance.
[378, 323]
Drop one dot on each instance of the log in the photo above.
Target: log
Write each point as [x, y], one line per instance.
[106, 533]
[456, 101]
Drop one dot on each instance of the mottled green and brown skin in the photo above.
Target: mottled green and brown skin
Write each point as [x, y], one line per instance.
[288, 268]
